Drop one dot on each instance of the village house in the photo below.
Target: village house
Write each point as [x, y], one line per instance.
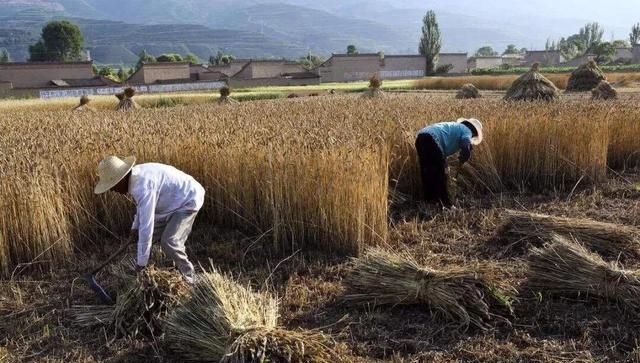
[359, 67]
[484, 62]
[257, 73]
[230, 69]
[513, 60]
[28, 78]
[200, 72]
[544, 57]
[150, 73]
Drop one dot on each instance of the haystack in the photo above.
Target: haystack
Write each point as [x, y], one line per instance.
[226, 322]
[126, 100]
[374, 90]
[468, 91]
[143, 301]
[84, 104]
[564, 267]
[532, 86]
[224, 99]
[604, 91]
[386, 278]
[586, 77]
[523, 229]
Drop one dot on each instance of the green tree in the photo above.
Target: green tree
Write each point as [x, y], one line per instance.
[589, 37]
[604, 52]
[431, 41]
[620, 43]
[352, 50]
[310, 61]
[169, 58]
[144, 57]
[122, 75]
[61, 41]
[634, 36]
[192, 58]
[221, 59]
[486, 51]
[511, 49]
[4, 56]
[106, 71]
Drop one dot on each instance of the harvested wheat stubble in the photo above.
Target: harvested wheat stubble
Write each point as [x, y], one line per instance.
[532, 86]
[386, 278]
[585, 77]
[227, 322]
[604, 91]
[565, 267]
[468, 91]
[142, 302]
[522, 229]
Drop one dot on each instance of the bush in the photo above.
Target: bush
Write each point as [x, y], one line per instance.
[444, 69]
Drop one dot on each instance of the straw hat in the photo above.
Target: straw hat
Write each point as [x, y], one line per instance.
[477, 140]
[111, 171]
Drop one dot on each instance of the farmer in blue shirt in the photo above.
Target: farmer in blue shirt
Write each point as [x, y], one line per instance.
[434, 144]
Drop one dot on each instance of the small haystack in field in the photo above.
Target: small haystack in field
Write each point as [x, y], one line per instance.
[586, 77]
[604, 91]
[223, 321]
[523, 229]
[532, 86]
[126, 100]
[468, 91]
[564, 267]
[374, 90]
[143, 301]
[386, 278]
[84, 104]
[224, 99]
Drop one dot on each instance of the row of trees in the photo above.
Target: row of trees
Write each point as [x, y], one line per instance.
[589, 40]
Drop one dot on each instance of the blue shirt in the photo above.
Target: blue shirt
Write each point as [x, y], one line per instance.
[451, 137]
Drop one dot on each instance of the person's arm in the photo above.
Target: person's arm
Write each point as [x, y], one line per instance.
[465, 150]
[145, 216]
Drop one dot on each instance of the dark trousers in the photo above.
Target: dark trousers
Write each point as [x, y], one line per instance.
[432, 168]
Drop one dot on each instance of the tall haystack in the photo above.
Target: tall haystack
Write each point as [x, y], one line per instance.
[532, 86]
[374, 88]
[224, 321]
[604, 91]
[224, 99]
[564, 267]
[586, 77]
[126, 100]
[468, 91]
[386, 278]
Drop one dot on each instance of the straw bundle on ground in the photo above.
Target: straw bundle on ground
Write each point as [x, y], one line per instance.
[386, 278]
[224, 96]
[84, 104]
[586, 77]
[226, 322]
[604, 91]
[143, 301]
[468, 91]
[523, 229]
[565, 267]
[126, 100]
[374, 88]
[532, 86]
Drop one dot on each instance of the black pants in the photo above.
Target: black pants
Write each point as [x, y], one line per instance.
[432, 167]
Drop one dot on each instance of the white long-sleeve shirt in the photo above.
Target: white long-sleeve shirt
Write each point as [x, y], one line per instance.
[160, 190]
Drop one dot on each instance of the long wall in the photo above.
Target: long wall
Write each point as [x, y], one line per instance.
[33, 75]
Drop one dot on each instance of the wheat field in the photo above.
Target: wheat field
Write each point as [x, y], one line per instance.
[311, 173]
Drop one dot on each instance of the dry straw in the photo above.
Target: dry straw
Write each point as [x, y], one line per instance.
[523, 229]
[224, 99]
[468, 91]
[604, 91]
[126, 102]
[586, 77]
[532, 86]
[564, 267]
[227, 322]
[374, 90]
[386, 278]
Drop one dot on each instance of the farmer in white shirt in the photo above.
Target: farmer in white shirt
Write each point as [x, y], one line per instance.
[167, 201]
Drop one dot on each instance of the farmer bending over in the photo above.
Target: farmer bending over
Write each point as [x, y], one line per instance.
[167, 202]
[434, 144]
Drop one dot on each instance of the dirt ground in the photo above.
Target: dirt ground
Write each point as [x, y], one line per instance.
[35, 325]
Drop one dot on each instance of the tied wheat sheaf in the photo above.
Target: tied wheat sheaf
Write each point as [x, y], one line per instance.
[522, 229]
[314, 173]
[224, 321]
[386, 278]
[564, 267]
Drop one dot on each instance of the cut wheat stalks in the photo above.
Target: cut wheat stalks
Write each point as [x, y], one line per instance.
[604, 91]
[532, 86]
[468, 91]
[612, 240]
[142, 302]
[564, 267]
[386, 278]
[227, 322]
[586, 77]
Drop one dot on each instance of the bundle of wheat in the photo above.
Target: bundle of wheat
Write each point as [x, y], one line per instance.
[374, 88]
[564, 267]
[126, 100]
[224, 96]
[387, 278]
[532, 86]
[468, 91]
[523, 229]
[143, 300]
[604, 91]
[84, 104]
[225, 321]
[586, 77]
